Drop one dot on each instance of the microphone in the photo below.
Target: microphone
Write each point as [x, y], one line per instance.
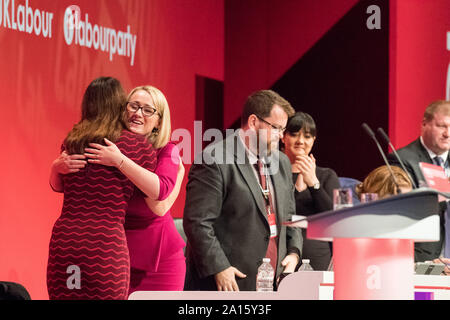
[386, 137]
[372, 135]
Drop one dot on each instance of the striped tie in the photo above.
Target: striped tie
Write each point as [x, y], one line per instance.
[438, 160]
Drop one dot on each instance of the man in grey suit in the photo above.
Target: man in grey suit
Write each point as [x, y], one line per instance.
[433, 147]
[229, 224]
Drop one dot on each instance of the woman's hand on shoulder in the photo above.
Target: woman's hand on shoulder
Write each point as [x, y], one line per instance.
[66, 163]
[108, 155]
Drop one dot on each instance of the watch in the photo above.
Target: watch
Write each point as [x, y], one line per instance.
[316, 185]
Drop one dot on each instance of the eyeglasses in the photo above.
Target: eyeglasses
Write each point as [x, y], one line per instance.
[281, 130]
[147, 111]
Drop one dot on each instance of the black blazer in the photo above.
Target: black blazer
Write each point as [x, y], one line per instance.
[411, 155]
[310, 202]
[225, 219]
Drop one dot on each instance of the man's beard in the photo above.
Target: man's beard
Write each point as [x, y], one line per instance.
[265, 146]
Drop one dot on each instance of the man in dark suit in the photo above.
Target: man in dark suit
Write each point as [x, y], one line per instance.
[431, 147]
[234, 210]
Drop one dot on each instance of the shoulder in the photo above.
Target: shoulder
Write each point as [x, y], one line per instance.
[133, 145]
[412, 147]
[325, 174]
[217, 153]
[128, 138]
[325, 171]
[413, 152]
[284, 160]
[169, 152]
[281, 165]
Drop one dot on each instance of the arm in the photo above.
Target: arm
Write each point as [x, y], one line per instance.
[110, 155]
[65, 164]
[161, 207]
[323, 198]
[306, 166]
[294, 242]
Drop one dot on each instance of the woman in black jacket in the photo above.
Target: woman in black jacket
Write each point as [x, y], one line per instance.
[313, 185]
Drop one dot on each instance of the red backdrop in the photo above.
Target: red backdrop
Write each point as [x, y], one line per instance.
[419, 61]
[42, 81]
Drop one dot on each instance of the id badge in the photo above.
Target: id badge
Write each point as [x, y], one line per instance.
[272, 225]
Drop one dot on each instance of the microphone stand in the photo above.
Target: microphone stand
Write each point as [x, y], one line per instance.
[372, 135]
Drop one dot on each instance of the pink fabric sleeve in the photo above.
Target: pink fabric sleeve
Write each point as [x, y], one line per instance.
[167, 169]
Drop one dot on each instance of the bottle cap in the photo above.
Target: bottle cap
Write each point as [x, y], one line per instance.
[266, 259]
[305, 260]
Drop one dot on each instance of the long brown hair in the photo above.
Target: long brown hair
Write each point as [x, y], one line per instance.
[101, 115]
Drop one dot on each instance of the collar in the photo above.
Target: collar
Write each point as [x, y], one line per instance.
[432, 154]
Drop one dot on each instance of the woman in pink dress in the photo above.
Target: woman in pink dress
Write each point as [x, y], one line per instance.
[88, 255]
[156, 248]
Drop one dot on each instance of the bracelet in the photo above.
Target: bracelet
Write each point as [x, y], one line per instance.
[121, 164]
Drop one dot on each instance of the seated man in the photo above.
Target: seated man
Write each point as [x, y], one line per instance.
[431, 147]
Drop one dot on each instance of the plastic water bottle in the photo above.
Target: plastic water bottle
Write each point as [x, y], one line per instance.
[305, 266]
[265, 276]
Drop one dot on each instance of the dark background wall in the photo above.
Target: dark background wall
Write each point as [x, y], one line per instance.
[324, 60]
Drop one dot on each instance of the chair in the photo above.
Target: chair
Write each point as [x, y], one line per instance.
[179, 226]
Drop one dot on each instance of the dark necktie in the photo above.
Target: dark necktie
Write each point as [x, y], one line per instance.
[439, 161]
[272, 248]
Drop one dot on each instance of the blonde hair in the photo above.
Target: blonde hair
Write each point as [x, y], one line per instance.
[379, 181]
[442, 106]
[158, 138]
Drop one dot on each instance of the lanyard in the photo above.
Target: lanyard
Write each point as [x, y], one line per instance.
[267, 197]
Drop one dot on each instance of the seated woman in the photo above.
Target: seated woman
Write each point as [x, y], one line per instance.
[313, 185]
[380, 181]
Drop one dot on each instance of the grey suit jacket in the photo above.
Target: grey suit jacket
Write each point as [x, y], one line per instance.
[411, 155]
[225, 219]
